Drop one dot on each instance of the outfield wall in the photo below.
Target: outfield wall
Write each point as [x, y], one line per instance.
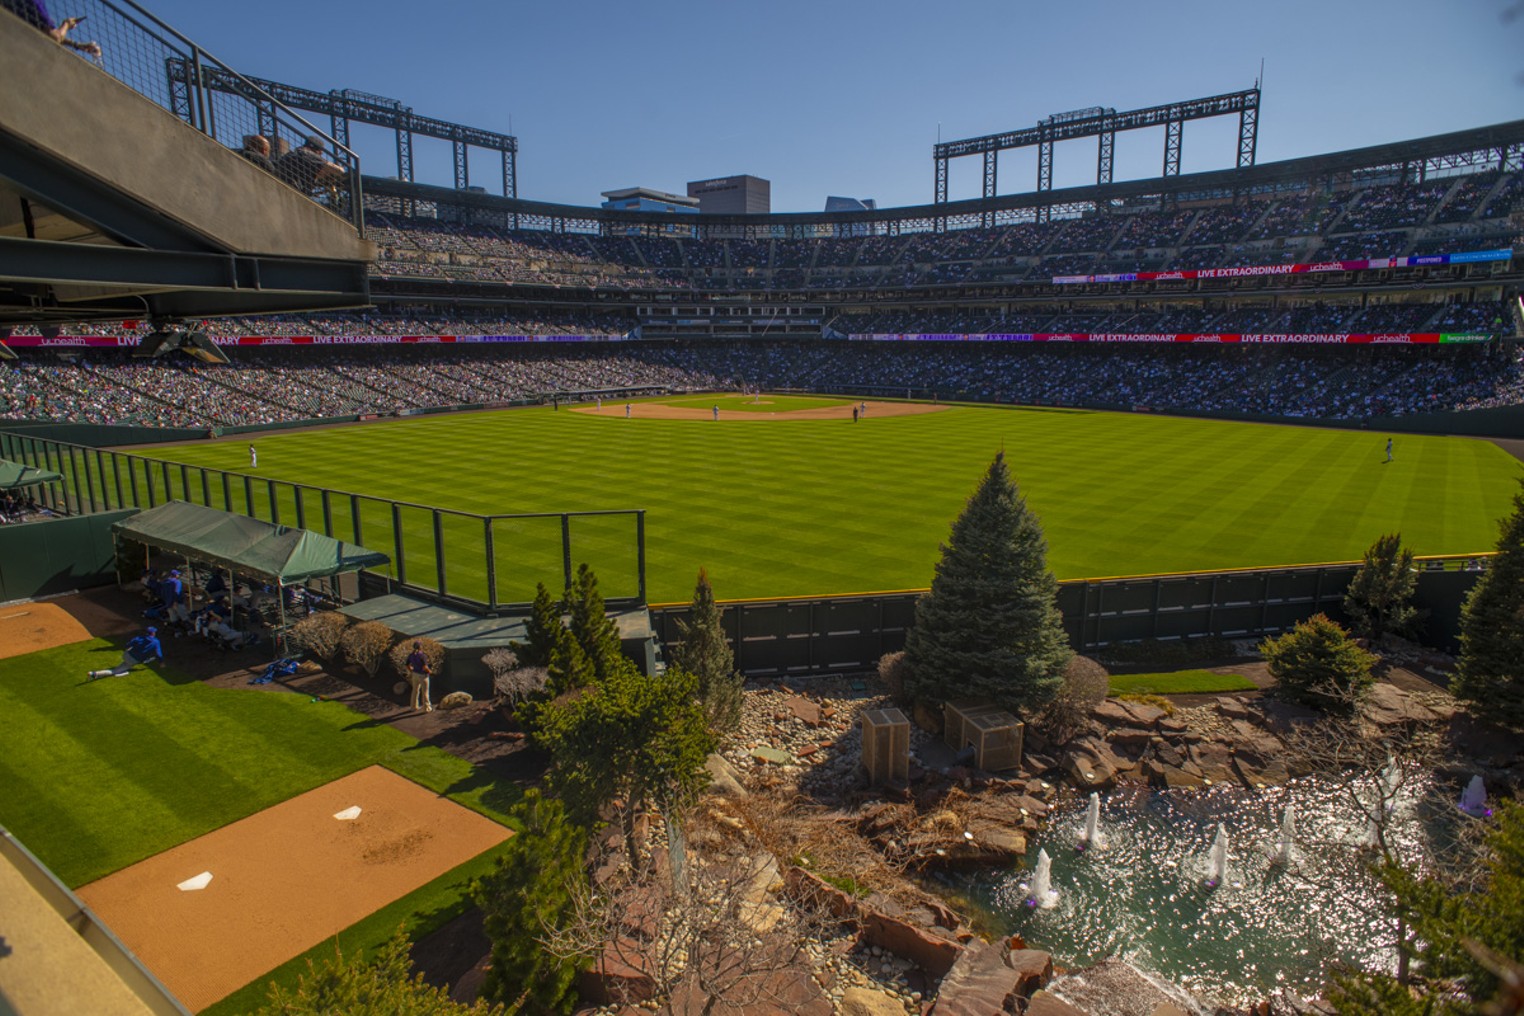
[848, 634]
[52, 556]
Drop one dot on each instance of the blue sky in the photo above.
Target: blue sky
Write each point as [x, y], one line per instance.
[845, 98]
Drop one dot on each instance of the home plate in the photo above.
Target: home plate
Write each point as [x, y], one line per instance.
[348, 814]
[201, 881]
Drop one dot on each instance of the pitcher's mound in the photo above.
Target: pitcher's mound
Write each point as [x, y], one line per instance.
[28, 627]
[284, 880]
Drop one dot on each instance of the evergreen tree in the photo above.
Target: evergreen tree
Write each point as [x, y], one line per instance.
[590, 624]
[1318, 664]
[642, 740]
[383, 986]
[528, 894]
[1491, 669]
[542, 632]
[990, 626]
[705, 653]
[1379, 597]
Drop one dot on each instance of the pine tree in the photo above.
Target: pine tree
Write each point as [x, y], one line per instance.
[542, 632]
[590, 623]
[705, 653]
[528, 894]
[642, 740]
[382, 986]
[1318, 664]
[1490, 674]
[1379, 599]
[990, 626]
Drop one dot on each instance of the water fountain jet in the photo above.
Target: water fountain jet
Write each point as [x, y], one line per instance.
[1093, 836]
[1286, 837]
[1040, 892]
[1217, 858]
[1473, 801]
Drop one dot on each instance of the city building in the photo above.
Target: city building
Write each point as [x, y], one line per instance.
[733, 195]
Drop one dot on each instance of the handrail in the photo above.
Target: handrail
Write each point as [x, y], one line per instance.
[141, 51]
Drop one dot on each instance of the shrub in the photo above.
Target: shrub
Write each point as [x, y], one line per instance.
[365, 645]
[1318, 664]
[1084, 687]
[1150, 699]
[892, 670]
[499, 661]
[433, 650]
[520, 683]
[320, 634]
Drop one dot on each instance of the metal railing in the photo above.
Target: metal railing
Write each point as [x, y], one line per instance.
[163, 66]
[482, 562]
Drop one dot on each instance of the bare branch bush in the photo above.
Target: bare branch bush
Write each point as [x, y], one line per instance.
[717, 941]
[1373, 769]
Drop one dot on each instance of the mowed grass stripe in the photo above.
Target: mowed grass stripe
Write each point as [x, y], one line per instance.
[788, 507]
[102, 774]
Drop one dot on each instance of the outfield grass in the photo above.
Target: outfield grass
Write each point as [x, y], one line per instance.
[1179, 682]
[798, 508]
[100, 775]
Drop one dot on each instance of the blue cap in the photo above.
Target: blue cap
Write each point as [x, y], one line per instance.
[153, 631]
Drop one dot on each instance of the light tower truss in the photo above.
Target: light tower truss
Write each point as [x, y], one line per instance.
[1103, 124]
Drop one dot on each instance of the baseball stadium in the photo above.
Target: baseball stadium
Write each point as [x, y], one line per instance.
[336, 388]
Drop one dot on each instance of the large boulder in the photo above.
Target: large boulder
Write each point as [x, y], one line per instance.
[619, 975]
[1044, 1004]
[979, 984]
[1034, 969]
[860, 1001]
[932, 953]
[1386, 705]
[723, 776]
[1090, 764]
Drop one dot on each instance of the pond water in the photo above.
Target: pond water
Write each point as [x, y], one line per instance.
[1267, 928]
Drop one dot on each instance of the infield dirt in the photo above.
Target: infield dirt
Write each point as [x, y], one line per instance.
[662, 411]
[284, 879]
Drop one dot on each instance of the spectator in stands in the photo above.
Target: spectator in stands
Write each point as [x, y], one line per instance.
[35, 13]
[256, 148]
[143, 649]
[307, 168]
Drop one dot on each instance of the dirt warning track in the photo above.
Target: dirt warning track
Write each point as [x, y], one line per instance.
[29, 627]
[662, 411]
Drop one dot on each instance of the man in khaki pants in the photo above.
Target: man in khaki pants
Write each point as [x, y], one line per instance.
[418, 673]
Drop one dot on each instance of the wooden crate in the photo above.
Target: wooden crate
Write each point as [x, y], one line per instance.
[955, 718]
[997, 739]
[886, 745]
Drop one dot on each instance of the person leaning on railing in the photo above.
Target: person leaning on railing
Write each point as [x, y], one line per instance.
[308, 169]
[35, 13]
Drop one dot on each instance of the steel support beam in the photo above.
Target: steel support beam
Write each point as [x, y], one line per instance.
[1173, 132]
[462, 165]
[1248, 133]
[1045, 165]
[941, 184]
[1105, 156]
[404, 154]
[990, 185]
[511, 179]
